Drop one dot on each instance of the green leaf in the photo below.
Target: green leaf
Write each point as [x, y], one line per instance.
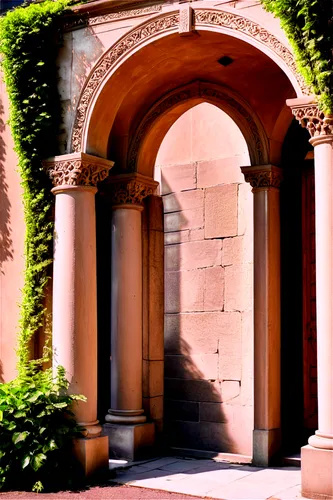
[20, 436]
[25, 461]
[37, 461]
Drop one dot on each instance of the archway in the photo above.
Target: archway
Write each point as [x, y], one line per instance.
[138, 90]
[208, 232]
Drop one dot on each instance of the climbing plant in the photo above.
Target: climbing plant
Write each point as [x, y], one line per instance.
[36, 424]
[29, 44]
[308, 25]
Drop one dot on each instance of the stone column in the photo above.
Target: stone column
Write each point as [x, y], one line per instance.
[265, 181]
[74, 328]
[317, 456]
[130, 435]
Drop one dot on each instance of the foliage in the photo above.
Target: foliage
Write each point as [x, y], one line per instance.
[29, 44]
[308, 25]
[36, 428]
[36, 424]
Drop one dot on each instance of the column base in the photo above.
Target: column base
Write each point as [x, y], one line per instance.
[92, 454]
[317, 472]
[130, 442]
[266, 447]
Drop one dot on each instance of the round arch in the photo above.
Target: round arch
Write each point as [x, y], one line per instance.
[160, 117]
[223, 21]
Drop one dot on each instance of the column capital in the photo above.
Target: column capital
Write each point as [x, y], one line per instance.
[307, 113]
[77, 169]
[131, 189]
[263, 176]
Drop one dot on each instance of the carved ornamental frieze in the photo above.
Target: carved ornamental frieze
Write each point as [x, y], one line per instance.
[263, 176]
[78, 169]
[313, 119]
[166, 23]
[131, 189]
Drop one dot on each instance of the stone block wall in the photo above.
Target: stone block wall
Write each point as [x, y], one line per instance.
[208, 230]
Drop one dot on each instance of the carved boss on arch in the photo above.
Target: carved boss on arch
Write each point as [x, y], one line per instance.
[78, 169]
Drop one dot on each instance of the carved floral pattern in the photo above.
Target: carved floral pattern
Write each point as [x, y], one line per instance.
[76, 172]
[264, 178]
[314, 120]
[185, 20]
[210, 93]
[165, 23]
[130, 192]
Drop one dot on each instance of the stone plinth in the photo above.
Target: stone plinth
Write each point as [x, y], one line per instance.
[130, 442]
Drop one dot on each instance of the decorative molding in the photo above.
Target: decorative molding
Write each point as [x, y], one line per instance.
[85, 21]
[313, 119]
[164, 23]
[185, 20]
[131, 189]
[263, 176]
[103, 67]
[205, 17]
[78, 169]
[209, 93]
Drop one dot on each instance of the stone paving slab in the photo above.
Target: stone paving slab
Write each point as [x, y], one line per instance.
[217, 480]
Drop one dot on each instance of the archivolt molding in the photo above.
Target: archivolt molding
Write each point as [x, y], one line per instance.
[223, 98]
[77, 169]
[166, 23]
[226, 19]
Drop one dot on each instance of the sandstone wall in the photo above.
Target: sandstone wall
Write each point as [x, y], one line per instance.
[209, 289]
[12, 231]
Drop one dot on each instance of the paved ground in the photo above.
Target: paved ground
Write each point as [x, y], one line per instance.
[172, 478]
[211, 479]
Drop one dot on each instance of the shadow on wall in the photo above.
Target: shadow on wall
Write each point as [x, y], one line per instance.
[194, 413]
[103, 232]
[6, 243]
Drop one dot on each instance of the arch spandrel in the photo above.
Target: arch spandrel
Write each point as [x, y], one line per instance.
[205, 19]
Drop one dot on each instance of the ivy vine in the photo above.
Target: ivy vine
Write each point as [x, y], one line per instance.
[36, 423]
[308, 25]
[29, 41]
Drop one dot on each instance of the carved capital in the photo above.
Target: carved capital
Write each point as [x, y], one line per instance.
[131, 189]
[77, 169]
[307, 112]
[263, 176]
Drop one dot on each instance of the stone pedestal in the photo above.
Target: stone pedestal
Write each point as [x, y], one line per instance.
[129, 433]
[265, 181]
[74, 328]
[130, 442]
[317, 457]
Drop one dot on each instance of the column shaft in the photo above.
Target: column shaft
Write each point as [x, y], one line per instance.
[324, 283]
[265, 181]
[74, 333]
[126, 312]
[74, 295]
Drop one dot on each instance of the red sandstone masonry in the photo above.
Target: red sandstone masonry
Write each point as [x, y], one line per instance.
[193, 255]
[221, 211]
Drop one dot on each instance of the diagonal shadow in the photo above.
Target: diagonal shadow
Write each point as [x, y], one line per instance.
[6, 243]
